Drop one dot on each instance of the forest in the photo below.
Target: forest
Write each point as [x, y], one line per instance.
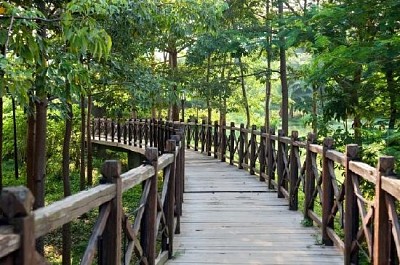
[327, 66]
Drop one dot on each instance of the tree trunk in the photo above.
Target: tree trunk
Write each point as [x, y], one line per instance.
[1, 143]
[82, 182]
[222, 98]
[173, 63]
[30, 148]
[40, 151]
[208, 96]
[391, 87]
[314, 110]
[354, 101]
[267, 120]
[245, 100]
[89, 142]
[283, 73]
[66, 234]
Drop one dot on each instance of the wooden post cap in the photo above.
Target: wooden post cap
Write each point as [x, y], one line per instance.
[352, 150]
[151, 154]
[386, 165]
[16, 201]
[111, 169]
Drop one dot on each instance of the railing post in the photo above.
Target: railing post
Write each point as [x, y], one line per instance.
[181, 133]
[140, 132]
[222, 144]
[309, 180]
[94, 127]
[253, 147]
[119, 130]
[270, 158]
[196, 135]
[203, 135]
[241, 146]
[294, 173]
[99, 127]
[280, 167]
[216, 135]
[232, 144]
[351, 218]
[112, 131]
[382, 225]
[148, 229]
[170, 205]
[105, 129]
[112, 235]
[262, 154]
[146, 127]
[130, 132]
[209, 138]
[125, 132]
[135, 132]
[327, 194]
[16, 204]
[188, 134]
[160, 135]
[178, 186]
[155, 133]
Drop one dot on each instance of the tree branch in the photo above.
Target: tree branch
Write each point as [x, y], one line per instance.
[31, 18]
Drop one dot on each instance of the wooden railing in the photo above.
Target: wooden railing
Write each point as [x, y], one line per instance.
[156, 221]
[355, 205]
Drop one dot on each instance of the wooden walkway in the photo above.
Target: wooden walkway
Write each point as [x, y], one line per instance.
[229, 217]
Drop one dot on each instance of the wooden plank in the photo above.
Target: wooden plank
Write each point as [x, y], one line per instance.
[229, 217]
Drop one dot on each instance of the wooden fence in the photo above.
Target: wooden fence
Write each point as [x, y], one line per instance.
[156, 221]
[354, 204]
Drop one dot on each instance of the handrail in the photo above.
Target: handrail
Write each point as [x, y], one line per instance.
[155, 210]
[331, 181]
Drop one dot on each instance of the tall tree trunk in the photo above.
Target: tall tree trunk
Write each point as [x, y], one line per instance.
[30, 148]
[391, 87]
[222, 98]
[40, 151]
[66, 234]
[1, 143]
[283, 73]
[89, 142]
[209, 109]
[244, 93]
[314, 109]
[267, 118]
[82, 179]
[173, 63]
[354, 101]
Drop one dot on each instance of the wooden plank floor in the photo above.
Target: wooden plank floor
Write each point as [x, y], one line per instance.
[229, 217]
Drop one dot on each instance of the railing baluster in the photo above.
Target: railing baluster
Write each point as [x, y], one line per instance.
[222, 144]
[351, 209]
[382, 226]
[280, 167]
[262, 155]
[253, 147]
[232, 144]
[241, 146]
[216, 134]
[327, 194]
[294, 173]
[112, 236]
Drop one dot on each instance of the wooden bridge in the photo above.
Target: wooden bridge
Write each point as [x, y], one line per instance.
[244, 211]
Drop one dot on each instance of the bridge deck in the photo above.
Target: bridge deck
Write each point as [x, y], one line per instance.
[229, 217]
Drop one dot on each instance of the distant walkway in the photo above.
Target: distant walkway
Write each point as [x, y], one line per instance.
[229, 217]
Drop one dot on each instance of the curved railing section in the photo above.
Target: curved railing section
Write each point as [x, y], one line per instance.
[149, 236]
